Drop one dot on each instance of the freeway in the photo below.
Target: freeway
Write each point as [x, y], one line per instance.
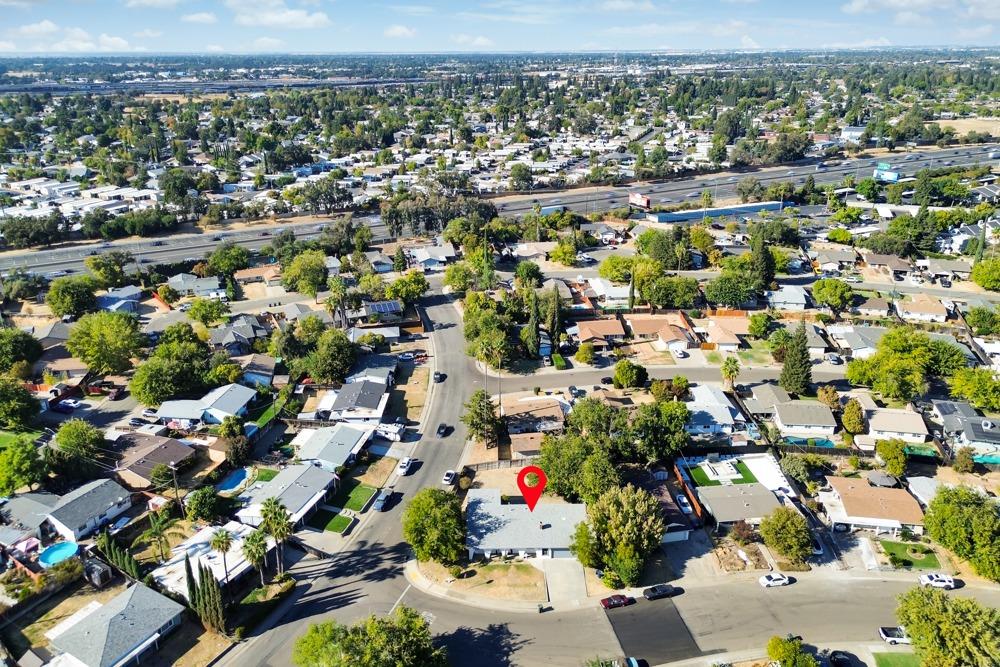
[179, 247]
[722, 185]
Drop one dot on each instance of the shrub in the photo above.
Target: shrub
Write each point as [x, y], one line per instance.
[559, 363]
[741, 532]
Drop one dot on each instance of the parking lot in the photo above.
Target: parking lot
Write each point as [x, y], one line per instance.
[653, 631]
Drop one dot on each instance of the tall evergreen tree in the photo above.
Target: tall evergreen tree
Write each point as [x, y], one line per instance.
[554, 321]
[796, 376]
[192, 589]
[761, 264]
[529, 334]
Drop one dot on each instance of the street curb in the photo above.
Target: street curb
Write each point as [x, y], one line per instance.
[417, 579]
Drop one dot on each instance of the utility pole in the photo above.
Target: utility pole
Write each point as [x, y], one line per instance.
[177, 493]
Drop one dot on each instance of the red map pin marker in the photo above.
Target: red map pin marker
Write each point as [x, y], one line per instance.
[531, 493]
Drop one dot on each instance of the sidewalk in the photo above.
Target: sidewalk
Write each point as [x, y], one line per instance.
[417, 579]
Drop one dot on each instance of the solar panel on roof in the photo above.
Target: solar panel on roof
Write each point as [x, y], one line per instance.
[385, 307]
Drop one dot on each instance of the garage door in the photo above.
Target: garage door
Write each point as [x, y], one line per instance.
[561, 553]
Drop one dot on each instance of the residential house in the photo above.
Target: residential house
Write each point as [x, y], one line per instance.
[856, 341]
[433, 258]
[239, 335]
[360, 403]
[668, 331]
[726, 333]
[377, 311]
[852, 134]
[712, 412]
[855, 503]
[815, 342]
[331, 447]
[51, 334]
[602, 334]
[968, 428]
[957, 269]
[600, 231]
[537, 251]
[891, 264]
[391, 334]
[921, 307]
[871, 306]
[300, 488]
[258, 369]
[835, 260]
[534, 415]
[269, 274]
[22, 517]
[142, 452]
[565, 293]
[198, 551]
[380, 368]
[788, 297]
[231, 400]
[87, 508]
[497, 529]
[188, 284]
[121, 299]
[906, 425]
[764, 397]
[988, 193]
[125, 630]
[379, 262]
[332, 266]
[732, 503]
[804, 418]
[526, 445]
[609, 295]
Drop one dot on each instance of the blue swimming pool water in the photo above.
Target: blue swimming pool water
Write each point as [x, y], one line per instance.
[804, 442]
[233, 480]
[57, 553]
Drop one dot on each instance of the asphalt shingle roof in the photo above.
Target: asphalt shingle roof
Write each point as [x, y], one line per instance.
[90, 500]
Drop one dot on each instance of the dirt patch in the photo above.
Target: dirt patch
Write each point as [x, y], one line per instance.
[478, 452]
[188, 646]
[966, 125]
[262, 291]
[648, 355]
[729, 559]
[595, 585]
[376, 472]
[182, 530]
[503, 581]
[409, 394]
[505, 479]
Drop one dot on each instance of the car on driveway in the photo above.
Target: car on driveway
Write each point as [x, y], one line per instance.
[442, 430]
[893, 635]
[937, 580]
[817, 546]
[615, 601]
[382, 500]
[684, 504]
[840, 659]
[135, 421]
[773, 580]
[404, 466]
[406, 356]
[945, 282]
[71, 403]
[149, 413]
[659, 591]
[449, 477]
[834, 358]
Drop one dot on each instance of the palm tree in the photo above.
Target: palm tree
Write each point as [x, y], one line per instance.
[222, 541]
[730, 370]
[255, 551]
[161, 528]
[277, 524]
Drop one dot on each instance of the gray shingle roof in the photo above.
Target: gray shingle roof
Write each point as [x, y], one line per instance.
[90, 500]
[333, 444]
[294, 487]
[365, 394]
[804, 413]
[738, 501]
[110, 633]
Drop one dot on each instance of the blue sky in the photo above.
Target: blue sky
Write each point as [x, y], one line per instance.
[238, 26]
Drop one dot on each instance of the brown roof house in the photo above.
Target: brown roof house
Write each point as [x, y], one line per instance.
[534, 415]
[854, 502]
[601, 333]
[269, 274]
[142, 452]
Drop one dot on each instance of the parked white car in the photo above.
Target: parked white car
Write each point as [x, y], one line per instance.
[773, 580]
[937, 580]
[684, 504]
[894, 635]
[404, 466]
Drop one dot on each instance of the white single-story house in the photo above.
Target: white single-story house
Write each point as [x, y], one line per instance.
[300, 488]
[497, 529]
[87, 508]
[907, 425]
[804, 418]
[856, 503]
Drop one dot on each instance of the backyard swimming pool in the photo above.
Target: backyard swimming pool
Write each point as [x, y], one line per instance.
[809, 442]
[233, 480]
[57, 553]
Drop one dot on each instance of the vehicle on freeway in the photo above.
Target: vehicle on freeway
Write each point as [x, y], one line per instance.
[438, 376]
[404, 466]
[382, 500]
[893, 635]
[684, 504]
[406, 356]
[71, 403]
[660, 591]
[773, 580]
[615, 601]
[442, 430]
[937, 580]
[149, 413]
[692, 195]
[449, 477]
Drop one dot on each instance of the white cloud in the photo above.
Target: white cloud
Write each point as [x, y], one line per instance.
[40, 29]
[983, 9]
[275, 14]
[861, 44]
[859, 6]
[399, 32]
[7, 46]
[974, 34]
[267, 44]
[153, 4]
[909, 18]
[204, 18]
[412, 10]
[112, 43]
[748, 42]
[627, 6]
[474, 41]
[19, 4]
[214, 48]
[148, 33]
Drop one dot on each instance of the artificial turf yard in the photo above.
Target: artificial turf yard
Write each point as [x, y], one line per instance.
[701, 478]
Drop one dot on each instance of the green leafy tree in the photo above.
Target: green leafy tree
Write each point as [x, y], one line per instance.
[626, 525]
[433, 525]
[71, 296]
[786, 532]
[585, 353]
[528, 274]
[17, 405]
[788, 652]
[564, 253]
[106, 341]
[853, 418]
[729, 290]
[577, 468]
[333, 357]
[796, 374]
[986, 274]
[306, 273]
[399, 262]
[79, 440]
[227, 259]
[161, 476]
[208, 311]
[762, 266]
[828, 396]
[20, 465]
[963, 461]
[965, 521]
[255, 550]
[460, 276]
[408, 288]
[520, 177]
[979, 386]
[109, 269]
[950, 631]
[221, 542]
[203, 504]
[760, 324]
[481, 418]
[833, 293]
[167, 294]
[17, 346]
[893, 454]
[401, 640]
[629, 375]
[839, 235]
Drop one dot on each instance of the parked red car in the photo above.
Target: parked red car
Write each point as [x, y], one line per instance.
[617, 601]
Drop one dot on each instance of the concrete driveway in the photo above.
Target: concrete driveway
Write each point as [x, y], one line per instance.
[565, 579]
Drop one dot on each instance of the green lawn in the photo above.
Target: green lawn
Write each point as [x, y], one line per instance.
[266, 474]
[701, 477]
[326, 520]
[896, 660]
[352, 494]
[713, 357]
[7, 437]
[928, 562]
